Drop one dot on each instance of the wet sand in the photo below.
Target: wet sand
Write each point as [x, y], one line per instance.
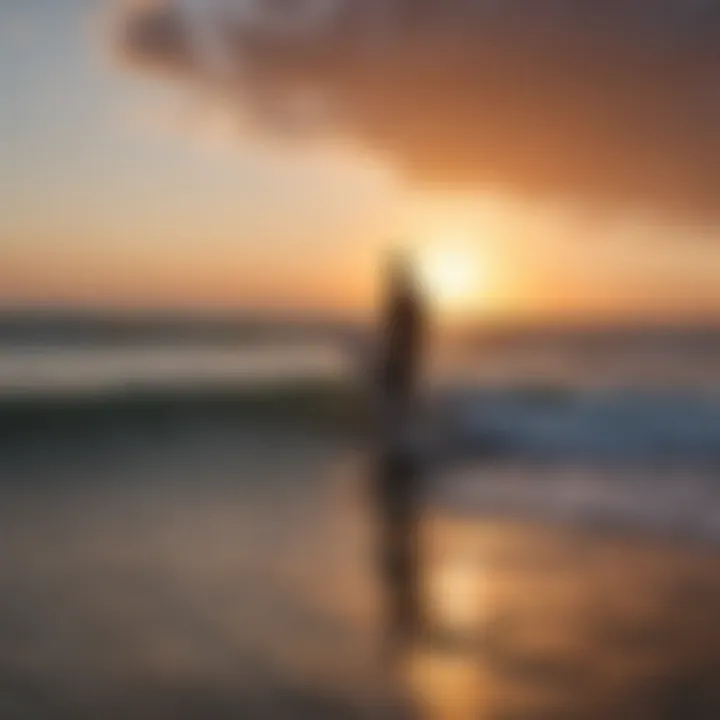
[560, 623]
[212, 571]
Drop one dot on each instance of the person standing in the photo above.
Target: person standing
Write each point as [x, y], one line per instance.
[398, 471]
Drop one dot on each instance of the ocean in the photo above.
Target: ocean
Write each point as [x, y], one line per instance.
[186, 533]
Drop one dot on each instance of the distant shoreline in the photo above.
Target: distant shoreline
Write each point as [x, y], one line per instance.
[89, 327]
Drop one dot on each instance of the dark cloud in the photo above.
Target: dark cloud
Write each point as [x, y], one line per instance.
[157, 36]
[616, 100]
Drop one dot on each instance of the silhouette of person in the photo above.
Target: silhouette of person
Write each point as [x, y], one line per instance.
[398, 469]
[402, 337]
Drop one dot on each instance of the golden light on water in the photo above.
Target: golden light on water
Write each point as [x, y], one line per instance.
[447, 686]
[458, 595]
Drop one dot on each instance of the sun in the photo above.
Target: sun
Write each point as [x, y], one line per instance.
[454, 276]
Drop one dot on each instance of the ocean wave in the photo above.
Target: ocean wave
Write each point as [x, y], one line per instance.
[609, 425]
[670, 502]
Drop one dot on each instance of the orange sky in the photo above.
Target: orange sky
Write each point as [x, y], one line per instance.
[116, 194]
[526, 262]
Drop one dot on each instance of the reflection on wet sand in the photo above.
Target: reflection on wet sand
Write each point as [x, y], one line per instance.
[445, 686]
[213, 577]
[566, 625]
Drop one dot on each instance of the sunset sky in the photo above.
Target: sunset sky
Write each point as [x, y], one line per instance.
[131, 176]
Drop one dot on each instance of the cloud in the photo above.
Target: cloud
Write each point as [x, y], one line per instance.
[615, 101]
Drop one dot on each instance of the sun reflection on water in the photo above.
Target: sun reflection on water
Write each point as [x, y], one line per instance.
[445, 686]
[458, 594]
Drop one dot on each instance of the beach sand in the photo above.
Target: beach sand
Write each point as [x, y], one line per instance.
[210, 569]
